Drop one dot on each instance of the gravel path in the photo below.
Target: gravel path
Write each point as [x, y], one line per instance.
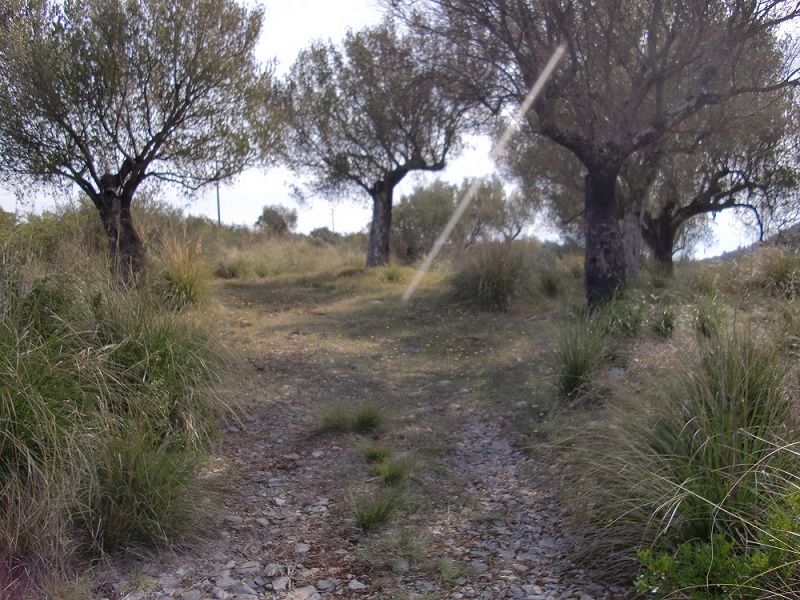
[484, 525]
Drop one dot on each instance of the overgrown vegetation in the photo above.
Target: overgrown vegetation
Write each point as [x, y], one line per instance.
[109, 398]
[689, 472]
[680, 397]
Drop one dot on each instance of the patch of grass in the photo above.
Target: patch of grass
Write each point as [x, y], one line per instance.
[709, 317]
[550, 283]
[691, 455]
[392, 274]
[184, 280]
[491, 277]
[142, 493]
[392, 472]
[335, 420]
[391, 548]
[780, 271]
[450, 572]
[582, 348]
[367, 419]
[664, 321]
[81, 361]
[370, 512]
[341, 419]
[375, 452]
[624, 316]
[232, 266]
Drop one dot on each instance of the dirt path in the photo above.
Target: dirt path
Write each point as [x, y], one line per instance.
[475, 521]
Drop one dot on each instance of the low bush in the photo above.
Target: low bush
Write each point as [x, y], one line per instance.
[581, 349]
[106, 402]
[491, 276]
[693, 462]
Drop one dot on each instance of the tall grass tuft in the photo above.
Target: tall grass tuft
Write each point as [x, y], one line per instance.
[582, 348]
[142, 492]
[780, 271]
[184, 280]
[692, 460]
[106, 404]
[491, 277]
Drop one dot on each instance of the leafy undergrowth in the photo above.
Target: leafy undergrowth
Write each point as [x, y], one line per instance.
[684, 451]
[108, 402]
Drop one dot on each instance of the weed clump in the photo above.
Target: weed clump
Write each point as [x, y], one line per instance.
[392, 472]
[339, 419]
[582, 348]
[693, 473]
[372, 511]
[106, 404]
[376, 452]
[491, 278]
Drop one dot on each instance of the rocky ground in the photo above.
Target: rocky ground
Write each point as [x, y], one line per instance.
[479, 520]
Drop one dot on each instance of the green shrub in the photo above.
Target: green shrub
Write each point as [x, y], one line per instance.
[491, 277]
[724, 567]
[142, 492]
[691, 455]
[582, 348]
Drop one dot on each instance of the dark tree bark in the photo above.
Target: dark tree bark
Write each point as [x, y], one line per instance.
[605, 256]
[659, 234]
[378, 249]
[125, 246]
[632, 238]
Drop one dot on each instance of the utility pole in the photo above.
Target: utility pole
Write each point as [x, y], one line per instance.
[333, 225]
[219, 220]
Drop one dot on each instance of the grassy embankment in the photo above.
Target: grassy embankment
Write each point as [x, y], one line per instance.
[675, 408]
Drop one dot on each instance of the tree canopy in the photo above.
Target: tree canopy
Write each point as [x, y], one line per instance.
[108, 94]
[366, 114]
[277, 220]
[633, 73]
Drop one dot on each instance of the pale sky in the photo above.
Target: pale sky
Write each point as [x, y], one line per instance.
[289, 26]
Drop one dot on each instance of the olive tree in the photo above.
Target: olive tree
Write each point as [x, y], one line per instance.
[633, 73]
[368, 113]
[108, 94]
[277, 220]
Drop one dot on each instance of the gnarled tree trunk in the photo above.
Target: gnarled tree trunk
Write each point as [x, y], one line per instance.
[659, 234]
[125, 246]
[378, 249]
[632, 237]
[605, 255]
